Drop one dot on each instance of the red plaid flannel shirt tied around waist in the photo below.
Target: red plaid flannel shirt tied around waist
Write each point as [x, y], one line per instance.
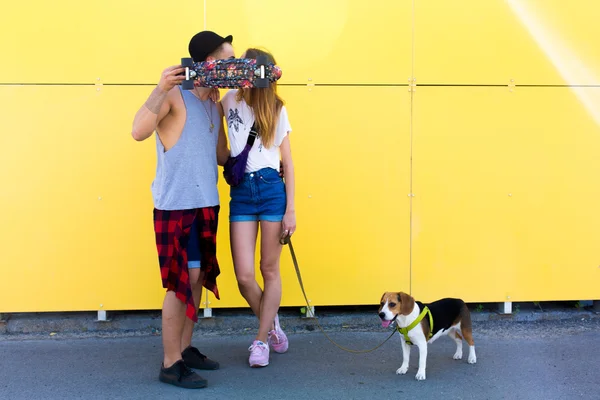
[172, 229]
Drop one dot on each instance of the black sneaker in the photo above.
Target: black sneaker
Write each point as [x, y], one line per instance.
[194, 359]
[181, 375]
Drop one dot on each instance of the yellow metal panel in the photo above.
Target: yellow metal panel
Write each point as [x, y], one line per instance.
[505, 186]
[323, 42]
[493, 41]
[77, 216]
[351, 148]
[79, 208]
[505, 182]
[95, 41]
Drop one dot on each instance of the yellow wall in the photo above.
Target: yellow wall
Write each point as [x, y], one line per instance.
[481, 181]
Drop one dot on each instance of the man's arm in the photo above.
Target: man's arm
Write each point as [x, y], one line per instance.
[222, 150]
[157, 106]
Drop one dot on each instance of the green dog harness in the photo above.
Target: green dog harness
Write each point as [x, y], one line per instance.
[404, 331]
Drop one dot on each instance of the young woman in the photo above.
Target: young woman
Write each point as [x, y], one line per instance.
[263, 200]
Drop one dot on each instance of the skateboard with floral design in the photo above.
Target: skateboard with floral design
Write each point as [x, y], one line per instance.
[233, 73]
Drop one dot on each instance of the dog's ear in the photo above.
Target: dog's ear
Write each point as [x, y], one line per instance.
[407, 303]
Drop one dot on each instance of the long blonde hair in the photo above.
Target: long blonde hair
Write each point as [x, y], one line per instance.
[264, 102]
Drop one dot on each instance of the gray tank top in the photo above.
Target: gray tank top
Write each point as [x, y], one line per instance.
[187, 175]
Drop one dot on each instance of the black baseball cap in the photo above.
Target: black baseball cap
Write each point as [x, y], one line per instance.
[205, 42]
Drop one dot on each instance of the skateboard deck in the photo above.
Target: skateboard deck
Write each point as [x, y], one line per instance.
[233, 73]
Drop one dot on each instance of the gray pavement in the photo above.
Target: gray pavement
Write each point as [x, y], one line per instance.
[528, 360]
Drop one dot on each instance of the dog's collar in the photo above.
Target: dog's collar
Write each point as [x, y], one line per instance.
[404, 331]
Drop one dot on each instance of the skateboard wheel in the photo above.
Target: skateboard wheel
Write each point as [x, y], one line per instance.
[187, 62]
[187, 85]
[261, 60]
[262, 83]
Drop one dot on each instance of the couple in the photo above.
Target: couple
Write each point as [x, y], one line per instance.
[190, 142]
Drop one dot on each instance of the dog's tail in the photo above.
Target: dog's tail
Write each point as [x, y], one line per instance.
[466, 326]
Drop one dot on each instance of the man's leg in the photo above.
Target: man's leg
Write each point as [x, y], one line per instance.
[173, 316]
[196, 277]
[191, 355]
[174, 370]
[194, 257]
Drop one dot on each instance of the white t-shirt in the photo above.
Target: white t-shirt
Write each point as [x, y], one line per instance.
[240, 119]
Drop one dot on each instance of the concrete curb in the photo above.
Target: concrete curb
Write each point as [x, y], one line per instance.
[231, 322]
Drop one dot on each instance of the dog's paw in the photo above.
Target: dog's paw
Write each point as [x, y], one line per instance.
[402, 370]
[457, 356]
[472, 358]
[420, 376]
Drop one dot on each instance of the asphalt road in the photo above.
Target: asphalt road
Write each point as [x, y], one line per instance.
[518, 361]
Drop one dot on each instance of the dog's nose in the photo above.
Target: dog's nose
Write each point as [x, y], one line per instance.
[381, 315]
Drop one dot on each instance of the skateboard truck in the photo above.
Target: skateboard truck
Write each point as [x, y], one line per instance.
[262, 81]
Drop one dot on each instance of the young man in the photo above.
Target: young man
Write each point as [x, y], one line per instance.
[186, 204]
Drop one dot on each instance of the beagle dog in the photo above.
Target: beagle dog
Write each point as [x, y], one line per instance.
[421, 324]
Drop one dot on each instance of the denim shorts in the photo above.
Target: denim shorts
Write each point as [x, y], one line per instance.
[260, 197]
[193, 249]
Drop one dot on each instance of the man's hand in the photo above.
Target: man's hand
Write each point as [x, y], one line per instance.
[214, 95]
[171, 77]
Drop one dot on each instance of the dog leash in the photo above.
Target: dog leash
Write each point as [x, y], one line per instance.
[287, 240]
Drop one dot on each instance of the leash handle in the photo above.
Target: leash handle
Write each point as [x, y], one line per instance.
[286, 239]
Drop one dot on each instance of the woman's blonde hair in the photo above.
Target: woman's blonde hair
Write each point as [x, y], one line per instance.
[264, 102]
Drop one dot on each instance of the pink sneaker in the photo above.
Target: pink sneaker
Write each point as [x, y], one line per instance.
[277, 338]
[259, 354]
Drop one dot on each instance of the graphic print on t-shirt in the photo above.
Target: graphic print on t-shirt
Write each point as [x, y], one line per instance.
[234, 119]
